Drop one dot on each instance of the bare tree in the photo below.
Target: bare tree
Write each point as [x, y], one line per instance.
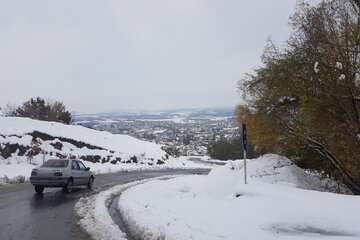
[9, 110]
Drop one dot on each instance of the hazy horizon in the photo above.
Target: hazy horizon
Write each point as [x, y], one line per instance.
[102, 56]
[158, 110]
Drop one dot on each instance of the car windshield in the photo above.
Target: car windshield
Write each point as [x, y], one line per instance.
[56, 163]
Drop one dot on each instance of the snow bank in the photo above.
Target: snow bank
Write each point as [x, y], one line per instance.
[220, 206]
[15, 173]
[94, 215]
[273, 168]
[11, 126]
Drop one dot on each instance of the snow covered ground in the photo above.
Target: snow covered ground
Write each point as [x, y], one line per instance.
[276, 204]
[109, 152]
[221, 206]
[16, 130]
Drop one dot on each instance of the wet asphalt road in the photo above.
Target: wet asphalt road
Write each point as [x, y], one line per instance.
[26, 215]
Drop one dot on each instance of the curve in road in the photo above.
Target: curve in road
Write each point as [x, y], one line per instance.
[26, 215]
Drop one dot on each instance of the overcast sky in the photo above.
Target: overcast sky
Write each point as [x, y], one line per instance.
[100, 56]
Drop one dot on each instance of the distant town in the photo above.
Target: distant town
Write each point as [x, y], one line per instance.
[184, 132]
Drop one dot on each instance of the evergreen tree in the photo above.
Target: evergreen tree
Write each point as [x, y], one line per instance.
[38, 108]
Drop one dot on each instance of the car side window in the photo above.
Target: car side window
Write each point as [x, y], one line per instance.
[82, 166]
[75, 165]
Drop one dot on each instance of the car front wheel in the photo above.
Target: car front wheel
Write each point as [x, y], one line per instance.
[90, 183]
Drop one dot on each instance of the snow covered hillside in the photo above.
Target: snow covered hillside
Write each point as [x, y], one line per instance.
[221, 206]
[25, 142]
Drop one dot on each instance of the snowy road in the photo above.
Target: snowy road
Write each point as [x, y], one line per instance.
[25, 215]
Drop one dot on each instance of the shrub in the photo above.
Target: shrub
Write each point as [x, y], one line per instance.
[38, 108]
[225, 149]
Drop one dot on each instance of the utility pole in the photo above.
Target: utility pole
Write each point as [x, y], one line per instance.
[244, 149]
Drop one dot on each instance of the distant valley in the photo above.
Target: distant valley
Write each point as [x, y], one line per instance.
[184, 131]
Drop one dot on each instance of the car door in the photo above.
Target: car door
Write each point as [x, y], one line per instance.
[76, 173]
[84, 174]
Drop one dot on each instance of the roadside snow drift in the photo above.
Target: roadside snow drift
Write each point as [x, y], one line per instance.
[94, 216]
[221, 206]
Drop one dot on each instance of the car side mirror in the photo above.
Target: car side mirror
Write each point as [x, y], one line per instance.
[87, 169]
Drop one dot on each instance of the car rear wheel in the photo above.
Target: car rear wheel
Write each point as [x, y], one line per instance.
[39, 189]
[90, 183]
[69, 186]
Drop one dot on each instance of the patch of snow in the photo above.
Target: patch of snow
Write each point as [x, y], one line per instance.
[339, 65]
[159, 131]
[175, 120]
[253, 110]
[11, 172]
[342, 77]
[316, 69]
[357, 80]
[218, 118]
[286, 99]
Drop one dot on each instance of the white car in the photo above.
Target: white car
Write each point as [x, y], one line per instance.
[64, 173]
